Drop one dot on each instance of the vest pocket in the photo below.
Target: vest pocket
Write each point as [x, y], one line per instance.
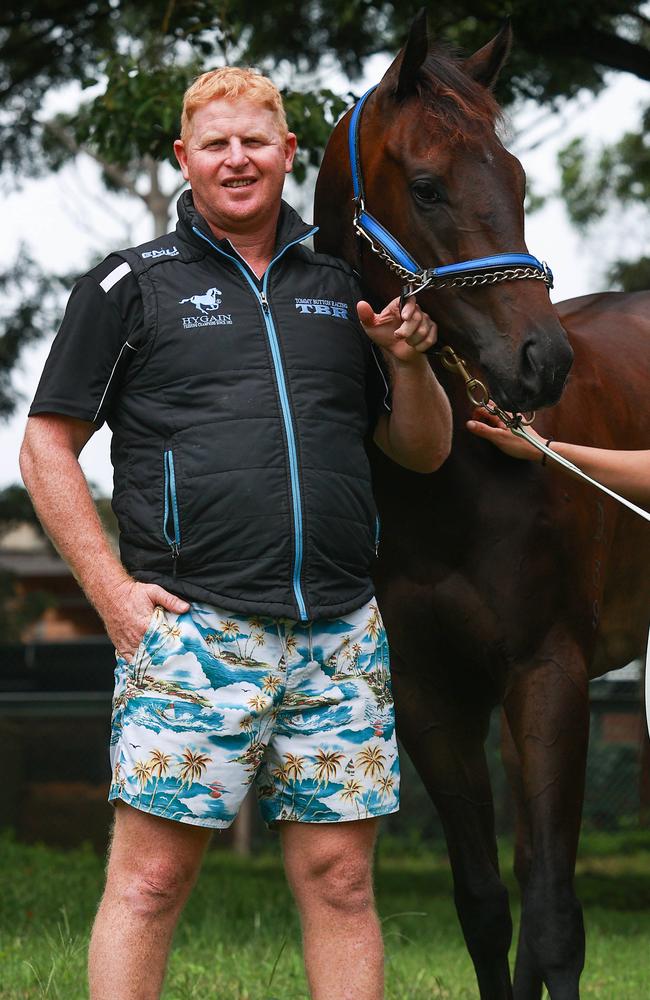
[171, 519]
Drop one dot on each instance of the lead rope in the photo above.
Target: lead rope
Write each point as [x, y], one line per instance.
[478, 395]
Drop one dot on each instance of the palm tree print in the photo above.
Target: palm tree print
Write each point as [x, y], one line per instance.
[282, 775]
[143, 774]
[291, 644]
[290, 772]
[372, 760]
[253, 641]
[252, 756]
[327, 764]
[230, 630]
[258, 703]
[171, 631]
[270, 684]
[374, 623]
[352, 790]
[295, 766]
[385, 785]
[119, 779]
[288, 644]
[193, 766]
[159, 763]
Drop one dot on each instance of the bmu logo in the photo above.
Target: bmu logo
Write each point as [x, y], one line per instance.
[207, 302]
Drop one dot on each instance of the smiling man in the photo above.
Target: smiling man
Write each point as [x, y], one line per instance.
[235, 368]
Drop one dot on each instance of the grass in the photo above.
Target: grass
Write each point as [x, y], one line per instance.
[239, 936]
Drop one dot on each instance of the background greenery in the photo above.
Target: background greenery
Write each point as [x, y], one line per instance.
[123, 66]
[239, 937]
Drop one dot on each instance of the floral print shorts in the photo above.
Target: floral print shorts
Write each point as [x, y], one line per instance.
[212, 702]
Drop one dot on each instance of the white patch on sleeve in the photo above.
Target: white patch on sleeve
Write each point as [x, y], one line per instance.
[115, 275]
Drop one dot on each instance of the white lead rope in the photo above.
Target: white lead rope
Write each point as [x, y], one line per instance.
[521, 433]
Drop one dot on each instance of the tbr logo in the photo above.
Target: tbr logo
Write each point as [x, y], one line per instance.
[207, 304]
[322, 307]
[162, 252]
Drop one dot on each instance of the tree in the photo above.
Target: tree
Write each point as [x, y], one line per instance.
[616, 177]
[130, 61]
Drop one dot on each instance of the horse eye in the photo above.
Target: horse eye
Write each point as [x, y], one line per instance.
[425, 191]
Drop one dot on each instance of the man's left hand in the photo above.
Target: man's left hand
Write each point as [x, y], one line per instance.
[405, 336]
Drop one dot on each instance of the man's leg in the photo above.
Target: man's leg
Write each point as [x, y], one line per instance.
[152, 867]
[329, 869]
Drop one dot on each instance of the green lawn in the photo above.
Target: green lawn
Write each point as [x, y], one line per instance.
[239, 939]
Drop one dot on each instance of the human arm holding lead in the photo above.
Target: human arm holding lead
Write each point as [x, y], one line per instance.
[49, 463]
[625, 472]
[417, 432]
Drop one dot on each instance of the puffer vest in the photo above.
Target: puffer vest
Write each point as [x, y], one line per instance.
[241, 477]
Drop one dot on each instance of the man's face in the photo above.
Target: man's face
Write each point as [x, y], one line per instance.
[236, 161]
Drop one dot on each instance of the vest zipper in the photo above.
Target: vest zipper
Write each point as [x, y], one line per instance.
[287, 417]
[171, 507]
[377, 534]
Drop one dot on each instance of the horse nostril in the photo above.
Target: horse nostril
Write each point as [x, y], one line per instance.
[532, 365]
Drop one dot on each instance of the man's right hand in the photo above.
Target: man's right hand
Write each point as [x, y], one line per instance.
[127, 612]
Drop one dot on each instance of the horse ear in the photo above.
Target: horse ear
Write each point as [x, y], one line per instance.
[485, 65]
[400, 78]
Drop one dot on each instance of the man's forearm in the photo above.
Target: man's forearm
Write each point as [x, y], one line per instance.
[62, 500]
[418, 430]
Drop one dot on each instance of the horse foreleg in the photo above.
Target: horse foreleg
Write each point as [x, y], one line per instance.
[547, 707]
[445, 742]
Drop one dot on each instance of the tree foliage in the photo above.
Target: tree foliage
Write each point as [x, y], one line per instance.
[142, 55]
[23, 321]
[593, 184]
[125, 64]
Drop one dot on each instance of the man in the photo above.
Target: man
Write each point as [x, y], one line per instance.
[229, 362]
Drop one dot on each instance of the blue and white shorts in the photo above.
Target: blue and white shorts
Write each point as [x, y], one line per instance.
[212, 702]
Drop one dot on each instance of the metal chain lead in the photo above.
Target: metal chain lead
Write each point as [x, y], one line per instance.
[421, 280]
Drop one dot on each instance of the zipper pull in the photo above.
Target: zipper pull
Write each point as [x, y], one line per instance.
[175, 553]
[265, 303]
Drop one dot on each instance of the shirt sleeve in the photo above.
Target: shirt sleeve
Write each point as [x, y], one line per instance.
[100, 333]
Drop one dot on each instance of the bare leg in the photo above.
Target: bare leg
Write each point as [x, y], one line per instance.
[152, 867]
[329, 869]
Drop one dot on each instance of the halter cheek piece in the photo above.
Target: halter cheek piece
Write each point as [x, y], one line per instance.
[479, 271]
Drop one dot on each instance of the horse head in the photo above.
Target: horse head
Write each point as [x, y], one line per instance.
[438, 179]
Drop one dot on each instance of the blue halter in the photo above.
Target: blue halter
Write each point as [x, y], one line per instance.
[479, 271]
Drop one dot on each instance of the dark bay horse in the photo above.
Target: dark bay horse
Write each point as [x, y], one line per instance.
[500, 581]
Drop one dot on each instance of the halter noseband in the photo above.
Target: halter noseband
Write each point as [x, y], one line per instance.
[478, 271]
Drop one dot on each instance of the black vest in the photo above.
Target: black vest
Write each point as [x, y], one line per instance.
[241, 477]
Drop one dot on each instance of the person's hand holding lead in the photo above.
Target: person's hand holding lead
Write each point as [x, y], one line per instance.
[406, 336]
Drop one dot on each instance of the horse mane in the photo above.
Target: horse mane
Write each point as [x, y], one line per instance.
[461, 107]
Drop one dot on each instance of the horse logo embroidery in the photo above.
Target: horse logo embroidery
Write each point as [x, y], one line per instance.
[206, 305]
[207, 302]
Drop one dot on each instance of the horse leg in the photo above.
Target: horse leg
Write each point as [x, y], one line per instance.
[445, 742]
[528, 980]
[547, 707]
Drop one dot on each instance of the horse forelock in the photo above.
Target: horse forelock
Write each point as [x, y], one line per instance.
[461, 108]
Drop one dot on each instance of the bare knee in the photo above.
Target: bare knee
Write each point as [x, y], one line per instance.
[155, 889]
[338, 883]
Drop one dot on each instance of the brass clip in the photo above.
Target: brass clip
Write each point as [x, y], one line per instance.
[477, 392]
